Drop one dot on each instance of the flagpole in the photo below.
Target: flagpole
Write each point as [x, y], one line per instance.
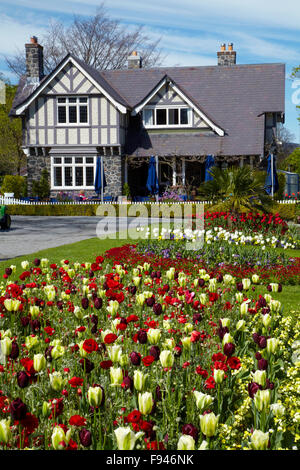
[101, 179]
[156, 164]
[272, 174]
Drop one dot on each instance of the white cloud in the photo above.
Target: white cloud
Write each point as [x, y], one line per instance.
[14, 34]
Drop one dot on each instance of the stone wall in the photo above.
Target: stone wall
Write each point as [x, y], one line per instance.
[112, 170]
[113, 175]
[35, 166]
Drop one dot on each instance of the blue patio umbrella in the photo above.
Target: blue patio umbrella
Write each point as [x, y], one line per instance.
[209, 163]
[271, 184]
[152, 180]
[99, 176]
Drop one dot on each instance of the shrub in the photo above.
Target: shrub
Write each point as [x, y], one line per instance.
[14, 184]
[41, 188]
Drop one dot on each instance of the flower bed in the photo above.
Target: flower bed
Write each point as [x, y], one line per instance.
[131, 354]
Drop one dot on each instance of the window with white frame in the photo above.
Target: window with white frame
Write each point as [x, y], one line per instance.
[167, 117]
[70, 172]
[72, 110]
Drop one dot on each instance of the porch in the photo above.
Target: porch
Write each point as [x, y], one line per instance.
[181, 174]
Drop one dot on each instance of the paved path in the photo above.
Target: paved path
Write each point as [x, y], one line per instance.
[30, 234]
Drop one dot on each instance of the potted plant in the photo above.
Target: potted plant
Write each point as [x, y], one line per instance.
[126, 192]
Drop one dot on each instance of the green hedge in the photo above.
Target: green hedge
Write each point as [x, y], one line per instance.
[286, 211]
[79, 209]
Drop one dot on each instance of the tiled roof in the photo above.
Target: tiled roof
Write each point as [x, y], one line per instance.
[235, 97]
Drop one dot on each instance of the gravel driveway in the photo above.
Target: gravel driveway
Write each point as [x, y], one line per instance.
[30, 234]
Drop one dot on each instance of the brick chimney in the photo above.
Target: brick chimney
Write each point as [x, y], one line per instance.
[34, 61]
[227, 57]
[134, 61]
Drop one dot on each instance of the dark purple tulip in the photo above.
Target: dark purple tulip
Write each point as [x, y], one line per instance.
[265, 310]
[258, 356]
[22, 379]
[18, 409]
[157, 309]
[229, 349]
[153, 275]
[256, 337]
[36, 261]
[8, 271]
[155, 352]
[197, 317]
[85, 437]
[269, 384]
[279, 288]
[176, 275]
[190, 430]
[269, 288]
[158, 393]
[94, 329]
[239, 286]
[252, 389]
[262, 343]
[25, 321]
[48, 353]
[220, 278]
[94, 319]
[262, 302]
[262, 364]
[158, 274]
[142, 336]
[14, 350]
[135, 358]
[132, 290]
[91, 274]
[127, 383]
[35, 325]
[150, 301]
[221, 331]
[98, 303]
[84, 303]
[201, 283]
[60, 304]
[87, 365]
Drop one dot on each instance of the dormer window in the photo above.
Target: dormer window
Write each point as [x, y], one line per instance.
[154, 117]
[72, 110]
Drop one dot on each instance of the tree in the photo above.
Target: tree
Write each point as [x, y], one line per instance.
[285, 145]
[99, 41]
[12, 157]
[296, 74]
[292, 162]
[41, 187]
[236, 189]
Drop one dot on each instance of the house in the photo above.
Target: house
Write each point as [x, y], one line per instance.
[178, 114]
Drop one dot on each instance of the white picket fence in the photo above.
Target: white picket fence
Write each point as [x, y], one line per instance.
[13, 201]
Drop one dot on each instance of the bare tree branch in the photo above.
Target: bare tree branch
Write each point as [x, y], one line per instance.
[99, 40]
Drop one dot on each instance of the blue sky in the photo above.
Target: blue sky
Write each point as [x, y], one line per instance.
[191, 31]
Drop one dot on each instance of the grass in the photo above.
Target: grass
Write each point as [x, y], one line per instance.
[83, 251]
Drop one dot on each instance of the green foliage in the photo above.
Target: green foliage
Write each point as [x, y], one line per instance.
[12, 157]
[14, 184]
[41, 188]
[292, 163]
[126, 190]
[237, 188]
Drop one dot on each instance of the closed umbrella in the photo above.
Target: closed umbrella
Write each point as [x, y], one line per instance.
[209, 163]
[100, 181]
[271, 184]
[152, 180]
